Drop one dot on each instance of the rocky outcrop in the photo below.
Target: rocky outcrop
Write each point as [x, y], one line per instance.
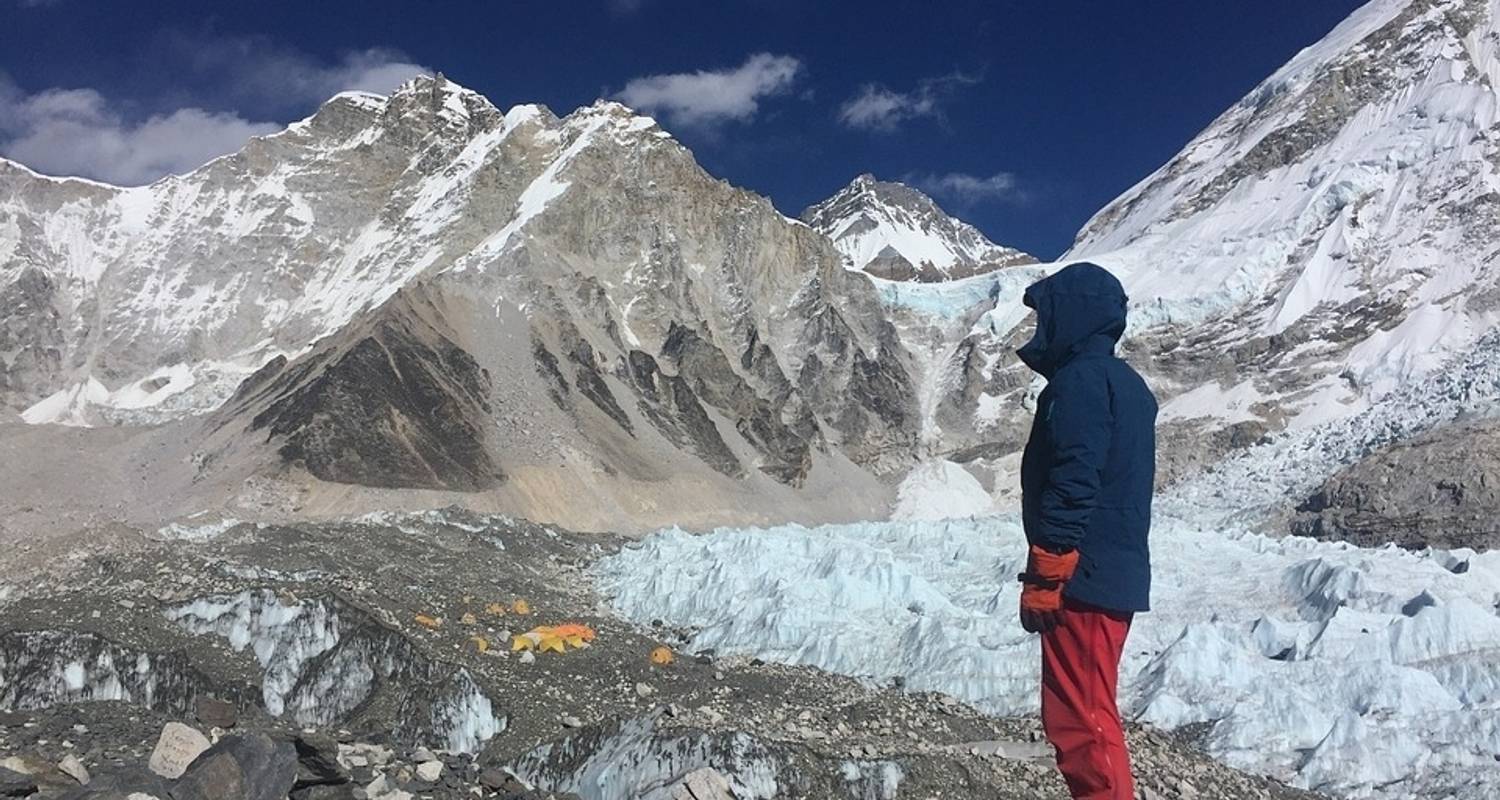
[396, 404]
[31, 339]
[1440, 489]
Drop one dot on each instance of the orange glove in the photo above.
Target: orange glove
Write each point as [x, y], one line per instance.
[1042, 585]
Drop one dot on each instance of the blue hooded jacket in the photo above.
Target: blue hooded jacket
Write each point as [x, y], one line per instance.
[1090, 464]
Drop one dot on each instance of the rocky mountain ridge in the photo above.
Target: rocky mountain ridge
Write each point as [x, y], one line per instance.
[421, 275]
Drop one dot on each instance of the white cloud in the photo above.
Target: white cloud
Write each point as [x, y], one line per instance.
[969, 189]
[878, 108]
[81, 132]
[76, 132]
[257, 70]
[708, 97]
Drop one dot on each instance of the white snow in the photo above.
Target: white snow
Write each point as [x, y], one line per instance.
[941, 489]
[1231, 403]
[68, 406]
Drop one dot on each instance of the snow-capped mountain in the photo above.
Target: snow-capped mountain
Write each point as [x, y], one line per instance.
[1335, 232]
[431, 293]
[893, 231]
[1327, 239]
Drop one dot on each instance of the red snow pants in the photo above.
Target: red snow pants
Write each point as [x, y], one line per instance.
[1080, 675]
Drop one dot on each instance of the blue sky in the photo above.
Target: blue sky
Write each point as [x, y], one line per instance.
[1022, 117]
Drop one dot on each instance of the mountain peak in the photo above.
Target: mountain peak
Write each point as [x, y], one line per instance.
[892, 230]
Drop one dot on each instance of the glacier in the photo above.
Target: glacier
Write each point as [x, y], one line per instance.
[1360, 672]
[1366, 673]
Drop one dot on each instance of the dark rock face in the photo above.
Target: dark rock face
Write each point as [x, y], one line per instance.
[402, 406]
[668, 401]
[869, 401]
[31, 338]
[1441, 489]
[785, 446]
[216, 713]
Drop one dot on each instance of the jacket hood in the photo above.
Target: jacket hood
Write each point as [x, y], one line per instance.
[1080, 308]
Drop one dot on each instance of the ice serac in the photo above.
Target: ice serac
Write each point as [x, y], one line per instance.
[1333, 233]
[893, 231]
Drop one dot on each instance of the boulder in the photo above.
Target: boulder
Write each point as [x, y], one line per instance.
[242, 766]
[176, 748]
[318, 761]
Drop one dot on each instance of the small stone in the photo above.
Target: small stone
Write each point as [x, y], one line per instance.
[73, 768]
[429, 771]
[422, 754]
[644, 690]
[175, 749]
[527, 657]
[569, 721]
[378, 787]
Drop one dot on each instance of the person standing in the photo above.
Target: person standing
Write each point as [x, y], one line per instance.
[1086, 481]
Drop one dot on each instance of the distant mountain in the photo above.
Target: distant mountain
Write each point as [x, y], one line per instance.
[893, 231]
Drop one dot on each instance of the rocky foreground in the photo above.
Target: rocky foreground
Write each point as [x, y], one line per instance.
[374, 659]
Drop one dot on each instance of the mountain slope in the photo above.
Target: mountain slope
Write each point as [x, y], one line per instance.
[1334, 233]
[1330, 238]
[893, 231]
[450, 298]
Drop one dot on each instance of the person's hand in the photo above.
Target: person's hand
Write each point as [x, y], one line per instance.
[1041, 588]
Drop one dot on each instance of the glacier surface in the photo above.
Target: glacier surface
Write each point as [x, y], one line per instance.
[1366, 673]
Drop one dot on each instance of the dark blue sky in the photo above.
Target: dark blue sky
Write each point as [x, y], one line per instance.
[1075, 101]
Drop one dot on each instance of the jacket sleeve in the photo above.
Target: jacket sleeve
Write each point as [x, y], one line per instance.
[1079, 424]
